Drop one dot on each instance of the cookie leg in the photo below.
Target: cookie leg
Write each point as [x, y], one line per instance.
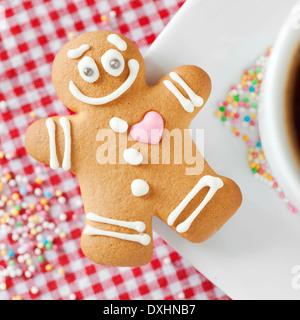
[205, 209]
[117, 242]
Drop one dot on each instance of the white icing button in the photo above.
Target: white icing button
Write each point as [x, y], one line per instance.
[139, 187]
[118, 125]
[133, 157]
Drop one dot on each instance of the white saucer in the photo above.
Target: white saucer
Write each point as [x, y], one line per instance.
[252, 256]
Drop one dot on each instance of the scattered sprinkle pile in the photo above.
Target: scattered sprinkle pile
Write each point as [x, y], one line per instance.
[240, 112]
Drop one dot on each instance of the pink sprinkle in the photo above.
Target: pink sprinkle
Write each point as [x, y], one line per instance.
[29, 188]
[281, 195]
[249, 143]
[5, 171]
[247, 105]
[252, 123]
[295, 210]
[256, 89]
[246, 88]
[235, 121]
[237, 115]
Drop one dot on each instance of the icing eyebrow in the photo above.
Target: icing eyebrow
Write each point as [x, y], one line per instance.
[78, 52]
[117, 42]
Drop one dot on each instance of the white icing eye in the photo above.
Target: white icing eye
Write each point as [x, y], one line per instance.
[113, 62]
[88, 69]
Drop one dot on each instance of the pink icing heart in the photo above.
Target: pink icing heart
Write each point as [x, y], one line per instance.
[149, 130]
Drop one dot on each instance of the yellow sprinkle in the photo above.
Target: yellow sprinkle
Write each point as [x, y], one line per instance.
[1, 186]
[2, 155]
[235, 130]
[253, 95]
[35, 218]
[235, 104]
[3, 286]
[245, 138]
[257, 166]
[58, 193]
[10, 202]
[15, 196]
[270, 177]
[8, 176]
[43, 201]
[104, 18]
[3, 252]
[229, 99]
[33, 231]
[17, 297]
[62, 234]
[71, 35]
[250, 158]
[14, 212]
[4, 198]
[31, 207]
[38, 180]
[48, 267]
[29, 262]
[253, 116]
[32, 114]
[61, 271]
[2, 220]
[219, 113]
[265, 175]
[252, 164]
[40, 245]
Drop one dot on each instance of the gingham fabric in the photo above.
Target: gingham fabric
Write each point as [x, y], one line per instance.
[31, 33]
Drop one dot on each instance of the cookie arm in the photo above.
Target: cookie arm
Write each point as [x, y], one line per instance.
[50, 141]
[186, 90]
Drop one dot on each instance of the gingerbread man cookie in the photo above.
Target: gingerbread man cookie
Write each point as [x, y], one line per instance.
[101, 77]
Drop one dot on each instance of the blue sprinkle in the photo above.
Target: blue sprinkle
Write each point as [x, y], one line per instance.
[23, 191]
[247, 118]
[45, 241]
[258, 144]
[48, 194]
[10, 253]
[251, 89]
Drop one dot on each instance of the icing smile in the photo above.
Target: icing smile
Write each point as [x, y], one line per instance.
[133, 72]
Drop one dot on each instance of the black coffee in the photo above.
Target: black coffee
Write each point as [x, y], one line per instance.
[293, 104]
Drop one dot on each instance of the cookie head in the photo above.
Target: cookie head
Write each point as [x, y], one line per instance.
[95, 69]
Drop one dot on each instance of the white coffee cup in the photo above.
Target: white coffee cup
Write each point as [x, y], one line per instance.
[273, 125]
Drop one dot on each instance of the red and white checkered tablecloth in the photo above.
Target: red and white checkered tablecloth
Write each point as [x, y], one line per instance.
[31, 33]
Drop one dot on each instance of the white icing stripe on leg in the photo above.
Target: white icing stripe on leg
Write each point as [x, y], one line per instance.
[138, 226]
[187, 105]
[214, 183]
[52, 145]
[196, 100]
[141, 238]
[65, 124]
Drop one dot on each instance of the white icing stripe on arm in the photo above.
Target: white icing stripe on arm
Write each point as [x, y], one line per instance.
[52, 145]
[117, 42]
[65, 123]
[138, 226]
[214, 183]
[141, 238]
[196, 100]
[187, 105]
[78, 52]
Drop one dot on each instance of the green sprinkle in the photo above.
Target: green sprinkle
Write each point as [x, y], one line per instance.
[250, 71]
[11, 263]
[48, 245]
[19, 224]
[258, 70]
[223, 118]
[254, 81]
[237, 97]
[254, 105]
[222, 109]
[254, 170]
[41, 258]
[246, 100]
